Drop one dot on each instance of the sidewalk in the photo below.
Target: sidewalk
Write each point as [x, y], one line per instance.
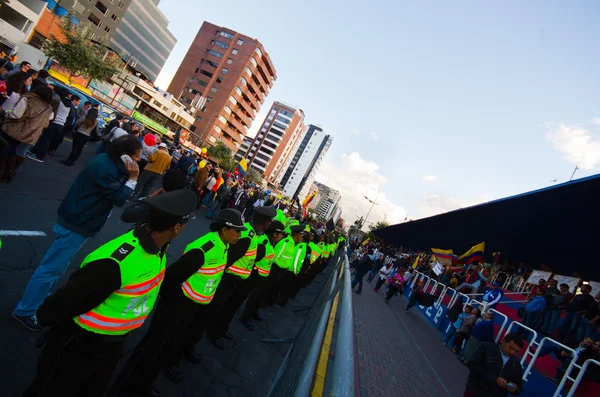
[400, 354]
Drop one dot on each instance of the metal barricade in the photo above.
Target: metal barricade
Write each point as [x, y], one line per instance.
[537, 353]
[455, 298]
[533, 340]
[577, 380]
[416, 276]
[440, 300]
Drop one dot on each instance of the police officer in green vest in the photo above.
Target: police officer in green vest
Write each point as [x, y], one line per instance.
[110, 296]
[186, 294]
[265, 258]
[287, 259]
[303, 271]
[240, 276]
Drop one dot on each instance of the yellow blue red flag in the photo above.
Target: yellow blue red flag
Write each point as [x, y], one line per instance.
[475, 254]
[444, 257]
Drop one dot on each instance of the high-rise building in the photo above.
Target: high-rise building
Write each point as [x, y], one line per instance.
[274, 143]
[143, 38]
[17, 19]
[328, 201]
[297, 175]
[234, 73]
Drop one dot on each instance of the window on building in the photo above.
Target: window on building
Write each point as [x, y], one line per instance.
[287, 113]
[240, 42]
[248, 71]
[283, 119]
[101, 7]
[219, 80]
[212, 139]
[234, 51]
[229, 61]
[215, 54]
[37, 40]
[213, 89]
[113, 17]
[222, 119]
[237, 89]
[121, 5]
[202, 83]
[206, 73]
[198, 118]
[283, 127]
[276, 132]
[220, 44]
[217, 128]
[95, 20]
[197, 70]
[107, 29]
[225, 34]
[227, 109]
[232, 100]
[209, 99]
[259, 52]
[211, 63]
[243, 81]
[253, 61]
[225, 70]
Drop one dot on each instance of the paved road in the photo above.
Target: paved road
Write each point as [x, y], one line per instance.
[246, 368]
[401, 354]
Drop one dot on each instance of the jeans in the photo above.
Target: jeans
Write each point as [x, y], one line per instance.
[41, 147]
[146, 180]
[358, 279]
[208, 198]
[380, 282]
[214, 210]
[530, 319]
[79, 142]
[451, 334]
[372, 274]
[551, 320]
[586, 329]
[569, 325]
[50, 270]
[22, 149]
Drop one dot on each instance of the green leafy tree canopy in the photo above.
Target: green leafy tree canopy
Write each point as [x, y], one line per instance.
[77, 51]
[253, 175]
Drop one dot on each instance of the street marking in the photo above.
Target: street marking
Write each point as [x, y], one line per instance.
[321, 371]
[23, 233]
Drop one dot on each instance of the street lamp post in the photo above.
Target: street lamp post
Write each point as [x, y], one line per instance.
[373, 203]
[574, 171]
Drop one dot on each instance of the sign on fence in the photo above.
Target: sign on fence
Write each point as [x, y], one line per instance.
[537, 275]
[572, 282]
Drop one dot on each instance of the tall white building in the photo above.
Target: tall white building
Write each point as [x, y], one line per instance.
[296, 178]
[17, 19]
[328, 201]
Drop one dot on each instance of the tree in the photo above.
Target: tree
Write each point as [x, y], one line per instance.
[77, 51]
[219, 151]
[376, 226]
[253, 175]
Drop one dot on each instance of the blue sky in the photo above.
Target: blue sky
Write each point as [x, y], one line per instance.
[437, 104]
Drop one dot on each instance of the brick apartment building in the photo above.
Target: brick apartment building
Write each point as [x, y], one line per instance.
[234, 73]
[275, 141]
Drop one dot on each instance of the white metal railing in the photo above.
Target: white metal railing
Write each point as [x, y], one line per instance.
[455, 298]
[533, 340]
[537, 353]
[578, 379]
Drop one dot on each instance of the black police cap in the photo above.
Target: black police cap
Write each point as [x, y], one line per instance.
[179, 203]
[231, 218]
[267, 211]
[276, 227]
[297, 229]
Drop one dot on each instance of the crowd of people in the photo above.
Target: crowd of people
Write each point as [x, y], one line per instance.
[259, 250]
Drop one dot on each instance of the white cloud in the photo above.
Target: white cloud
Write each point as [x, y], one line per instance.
[353, 177]
[373, 136]
[595, 120]
[354, 131]
[430, 178]
[434, 204]
[577, 145]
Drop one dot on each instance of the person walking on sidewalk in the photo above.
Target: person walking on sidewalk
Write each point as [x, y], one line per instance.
[495, 369]
[82, 131]
[158, 163]
[395, 285]
[107, 181]
[364, 265]
[376, 267]
[384, 273]
[109, 297]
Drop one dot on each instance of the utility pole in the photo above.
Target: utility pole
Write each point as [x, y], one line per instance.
[574, 171]
[373, 203]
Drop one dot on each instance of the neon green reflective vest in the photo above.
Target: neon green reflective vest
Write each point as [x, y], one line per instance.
[315, 252]
[202, 285]
[324, 250]
[280, 217]
[293, 222]
[299, 257]
[284, 251]
[243, 266]
[141, 276]
[264, 265]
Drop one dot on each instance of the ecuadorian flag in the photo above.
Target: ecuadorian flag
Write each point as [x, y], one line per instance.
[242, 167]
[445, 257]
[475, 254]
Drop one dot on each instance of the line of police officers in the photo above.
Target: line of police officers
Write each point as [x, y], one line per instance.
[264, 261]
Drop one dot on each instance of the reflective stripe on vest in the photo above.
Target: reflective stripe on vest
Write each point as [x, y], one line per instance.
[243, 266]
[141, 276]
[201, 286]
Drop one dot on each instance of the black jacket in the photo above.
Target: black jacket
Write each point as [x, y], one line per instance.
[486, 366]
